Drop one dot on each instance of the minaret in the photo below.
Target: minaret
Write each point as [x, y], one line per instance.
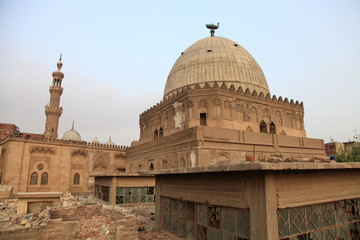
[52, 110]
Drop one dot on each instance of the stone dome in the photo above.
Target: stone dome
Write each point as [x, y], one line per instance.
[71, 135]
[216, 59]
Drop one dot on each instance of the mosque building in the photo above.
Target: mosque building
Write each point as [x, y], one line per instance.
[50, 164]
[217, 106]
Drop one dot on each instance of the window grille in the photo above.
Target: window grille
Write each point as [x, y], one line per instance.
[335, 220]
[191, 220]
[128, 195]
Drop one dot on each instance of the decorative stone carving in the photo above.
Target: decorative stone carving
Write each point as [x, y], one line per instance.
[79, 152]
[40, 149]
[179, 117]
[249, 128]
[217, 102]
[193, 159]
[278, 120]
[189, 104]
[228, 103]
[203, 103]
[212, 157]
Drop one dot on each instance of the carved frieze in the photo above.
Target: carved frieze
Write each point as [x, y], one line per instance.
[42, 149]
[188, 103]
[216, 102]
[79, 152]
[228, 103]
[202, 103]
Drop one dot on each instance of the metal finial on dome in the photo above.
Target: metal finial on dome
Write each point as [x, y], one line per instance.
[212, 28]
[60, 56]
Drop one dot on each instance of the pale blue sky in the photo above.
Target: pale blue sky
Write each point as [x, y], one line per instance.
[117, 55]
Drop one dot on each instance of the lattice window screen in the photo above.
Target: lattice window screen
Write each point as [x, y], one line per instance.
[335, 220]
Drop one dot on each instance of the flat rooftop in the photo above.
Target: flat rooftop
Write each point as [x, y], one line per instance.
[105, 174]
[256, 166]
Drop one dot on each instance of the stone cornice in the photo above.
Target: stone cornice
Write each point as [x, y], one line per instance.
[53, 110]
[63, 142]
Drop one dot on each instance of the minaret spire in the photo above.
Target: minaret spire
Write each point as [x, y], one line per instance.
[52, 110]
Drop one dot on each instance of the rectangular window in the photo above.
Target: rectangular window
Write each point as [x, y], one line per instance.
[128, 195]
[202, 119]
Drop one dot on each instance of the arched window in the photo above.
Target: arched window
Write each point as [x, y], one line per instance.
[33, 178]
[44, 179]
[161, 132]
[263, 127]
[151, 166]
[156, 134]
[272, 128]
[76, 179]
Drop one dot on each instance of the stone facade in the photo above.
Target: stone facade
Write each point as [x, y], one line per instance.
[56, 165]
[203, 125]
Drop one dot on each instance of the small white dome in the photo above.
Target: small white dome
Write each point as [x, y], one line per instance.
[72, 135]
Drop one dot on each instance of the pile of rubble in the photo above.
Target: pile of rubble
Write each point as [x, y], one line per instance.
[320, 159]
[11, 221]
[277, 159]
[96, 227]
[80, 217]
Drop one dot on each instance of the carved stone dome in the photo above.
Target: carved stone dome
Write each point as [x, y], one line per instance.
[71, 135]
[216, 59]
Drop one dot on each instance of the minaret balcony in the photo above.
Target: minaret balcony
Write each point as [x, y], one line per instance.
[53, 110]
[56, 90]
